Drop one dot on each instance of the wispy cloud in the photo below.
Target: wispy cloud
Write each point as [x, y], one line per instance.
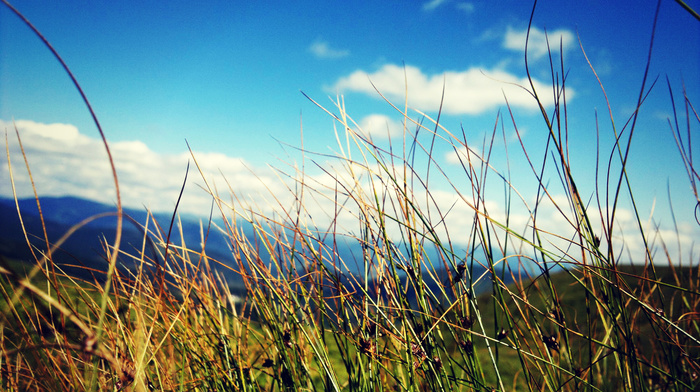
[323, 50]
[537, 44]
[433, 4]
[462, 6]
[602, 61]
[473, 91]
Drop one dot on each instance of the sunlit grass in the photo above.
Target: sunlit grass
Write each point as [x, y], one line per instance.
[402, 313]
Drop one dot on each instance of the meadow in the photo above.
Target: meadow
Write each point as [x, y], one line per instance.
[561, 310]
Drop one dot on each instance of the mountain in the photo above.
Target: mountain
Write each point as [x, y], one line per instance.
[85, 247]
[84, 250]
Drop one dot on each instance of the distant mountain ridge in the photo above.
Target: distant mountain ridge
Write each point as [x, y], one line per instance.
[84, 247]
[67, 209]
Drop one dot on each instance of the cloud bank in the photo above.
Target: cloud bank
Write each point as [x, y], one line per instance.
[473, 91]
[65, 162]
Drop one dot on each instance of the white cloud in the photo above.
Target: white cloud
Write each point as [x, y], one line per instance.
[472, 91]
[322, 49]
[380, 126]
[65, 162]
[433, 4]
[537, 44]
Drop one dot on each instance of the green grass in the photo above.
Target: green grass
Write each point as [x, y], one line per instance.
[172, 323]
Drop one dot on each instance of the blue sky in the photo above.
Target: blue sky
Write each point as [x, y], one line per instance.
[227, 76]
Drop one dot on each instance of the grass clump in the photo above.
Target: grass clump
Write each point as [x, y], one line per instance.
[518, 308]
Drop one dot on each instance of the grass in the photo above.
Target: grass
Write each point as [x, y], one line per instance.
[575, 318]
